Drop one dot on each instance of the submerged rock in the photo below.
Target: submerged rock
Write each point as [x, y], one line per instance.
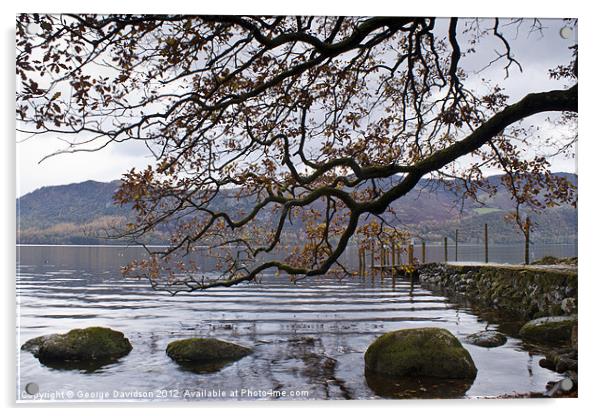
[549, 329]
[560, 361]
[93, 344]
[205, 354]
[487, 339]
[428, 352]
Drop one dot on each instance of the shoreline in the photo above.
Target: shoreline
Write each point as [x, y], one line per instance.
[524, 292]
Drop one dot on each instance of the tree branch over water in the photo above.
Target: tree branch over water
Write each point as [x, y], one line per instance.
[280, 140]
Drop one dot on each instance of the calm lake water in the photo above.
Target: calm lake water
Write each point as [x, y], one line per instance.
[308, 339]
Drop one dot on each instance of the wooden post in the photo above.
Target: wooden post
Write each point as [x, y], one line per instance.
[423, 252]
[382, 259]
[456, 244]
[486, 244]
[372, 257]
[445, 249]
[363, 261]
[389, 255]
[386, 255]
[413, 271]
[527, 238]
[362, 255]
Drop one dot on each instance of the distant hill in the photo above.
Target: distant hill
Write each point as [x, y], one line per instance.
[82, 213]
[76, 203]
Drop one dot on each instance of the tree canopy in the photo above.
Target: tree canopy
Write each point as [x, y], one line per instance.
[318, 121]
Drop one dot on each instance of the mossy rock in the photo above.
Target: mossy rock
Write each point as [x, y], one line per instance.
[428, 352]
[549, 329]
[488, 339]
[205, 354]
[33, 345]
[86, 345]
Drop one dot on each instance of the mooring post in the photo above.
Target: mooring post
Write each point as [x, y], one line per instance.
[486, 245]
[382, 259]
[413, 271]
[445, 249]
[362, 260]
[527, 237]
[387, 255]
[372, 257]
[423, 252]
[456, 239]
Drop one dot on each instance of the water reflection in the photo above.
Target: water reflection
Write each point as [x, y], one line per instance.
[308, 337]
[90, 366]
[417, 387]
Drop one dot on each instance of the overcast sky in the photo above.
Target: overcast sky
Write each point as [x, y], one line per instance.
[536, 55]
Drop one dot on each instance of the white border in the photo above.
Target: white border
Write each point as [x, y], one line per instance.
[589, 189]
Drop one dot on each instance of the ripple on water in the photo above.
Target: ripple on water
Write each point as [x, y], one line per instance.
[306, 337]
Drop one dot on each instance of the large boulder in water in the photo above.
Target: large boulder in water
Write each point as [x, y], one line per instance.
[205, 354]
[427, 352]
[93, 344]
[549, 329]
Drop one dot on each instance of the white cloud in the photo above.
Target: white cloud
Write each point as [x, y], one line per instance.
[104, 165]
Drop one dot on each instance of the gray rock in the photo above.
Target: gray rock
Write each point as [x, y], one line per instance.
[487, 339]
[429, 352]
[560, 361]
[568, 305]
[87, 344]
[205, 354]
[549, 329]
[34, 344]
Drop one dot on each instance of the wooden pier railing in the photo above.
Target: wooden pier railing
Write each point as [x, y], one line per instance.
[389, 258]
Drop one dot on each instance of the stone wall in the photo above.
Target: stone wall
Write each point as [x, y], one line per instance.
[527, 291]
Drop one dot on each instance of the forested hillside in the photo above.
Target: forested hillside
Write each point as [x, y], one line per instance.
[84, 213]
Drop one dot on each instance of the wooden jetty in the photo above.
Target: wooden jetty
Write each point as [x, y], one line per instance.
[391, 269]
[389, 252]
